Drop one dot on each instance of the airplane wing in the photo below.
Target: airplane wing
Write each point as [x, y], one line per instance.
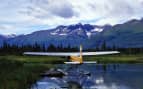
[100, 53]
[70, 53]
[52, 53]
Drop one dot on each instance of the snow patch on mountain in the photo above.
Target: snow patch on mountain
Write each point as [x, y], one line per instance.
[88, 34]
[9, 36]
[53, 33]
[97, 30]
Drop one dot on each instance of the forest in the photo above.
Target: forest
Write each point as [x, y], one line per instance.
[6, 49]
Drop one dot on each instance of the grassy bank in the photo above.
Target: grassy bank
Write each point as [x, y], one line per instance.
[19, 75]
[119, 58]
[35, 59]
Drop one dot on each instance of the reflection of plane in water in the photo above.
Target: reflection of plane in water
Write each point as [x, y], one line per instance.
[75, 57]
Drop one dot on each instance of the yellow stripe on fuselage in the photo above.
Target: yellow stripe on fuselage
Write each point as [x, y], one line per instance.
[76, 59]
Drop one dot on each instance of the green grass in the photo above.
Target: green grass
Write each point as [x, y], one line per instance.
[35, 59]
[120, 58]
[19, 75]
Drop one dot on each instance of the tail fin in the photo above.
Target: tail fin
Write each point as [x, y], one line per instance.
[80, 51]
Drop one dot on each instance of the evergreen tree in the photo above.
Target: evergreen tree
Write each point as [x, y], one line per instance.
[103, 46]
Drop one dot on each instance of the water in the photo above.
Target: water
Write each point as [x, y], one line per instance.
[95, 76]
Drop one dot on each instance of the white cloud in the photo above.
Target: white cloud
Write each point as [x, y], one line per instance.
[24, 16]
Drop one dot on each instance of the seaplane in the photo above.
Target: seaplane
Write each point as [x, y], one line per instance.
[74, 57]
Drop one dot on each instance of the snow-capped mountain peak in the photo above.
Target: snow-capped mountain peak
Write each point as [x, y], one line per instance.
[78, 29]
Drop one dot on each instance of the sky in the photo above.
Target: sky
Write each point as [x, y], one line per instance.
[26, 16]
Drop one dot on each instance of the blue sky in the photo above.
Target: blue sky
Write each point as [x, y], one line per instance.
[26, 16]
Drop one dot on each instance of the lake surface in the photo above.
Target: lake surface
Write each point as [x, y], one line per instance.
[95, 76]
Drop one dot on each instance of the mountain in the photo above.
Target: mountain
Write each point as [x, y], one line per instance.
[65, 35]
[2, 39]
[129, 34]
[10, 36]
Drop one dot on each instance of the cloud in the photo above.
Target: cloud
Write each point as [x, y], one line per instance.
[25, 16]
[61, 8]
[5, 27]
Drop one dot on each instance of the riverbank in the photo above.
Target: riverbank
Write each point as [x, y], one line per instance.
[19, 75]
[20, 72]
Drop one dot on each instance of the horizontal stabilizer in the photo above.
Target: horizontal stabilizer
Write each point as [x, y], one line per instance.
[89, 62]
[84, 62]
[72, 62]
